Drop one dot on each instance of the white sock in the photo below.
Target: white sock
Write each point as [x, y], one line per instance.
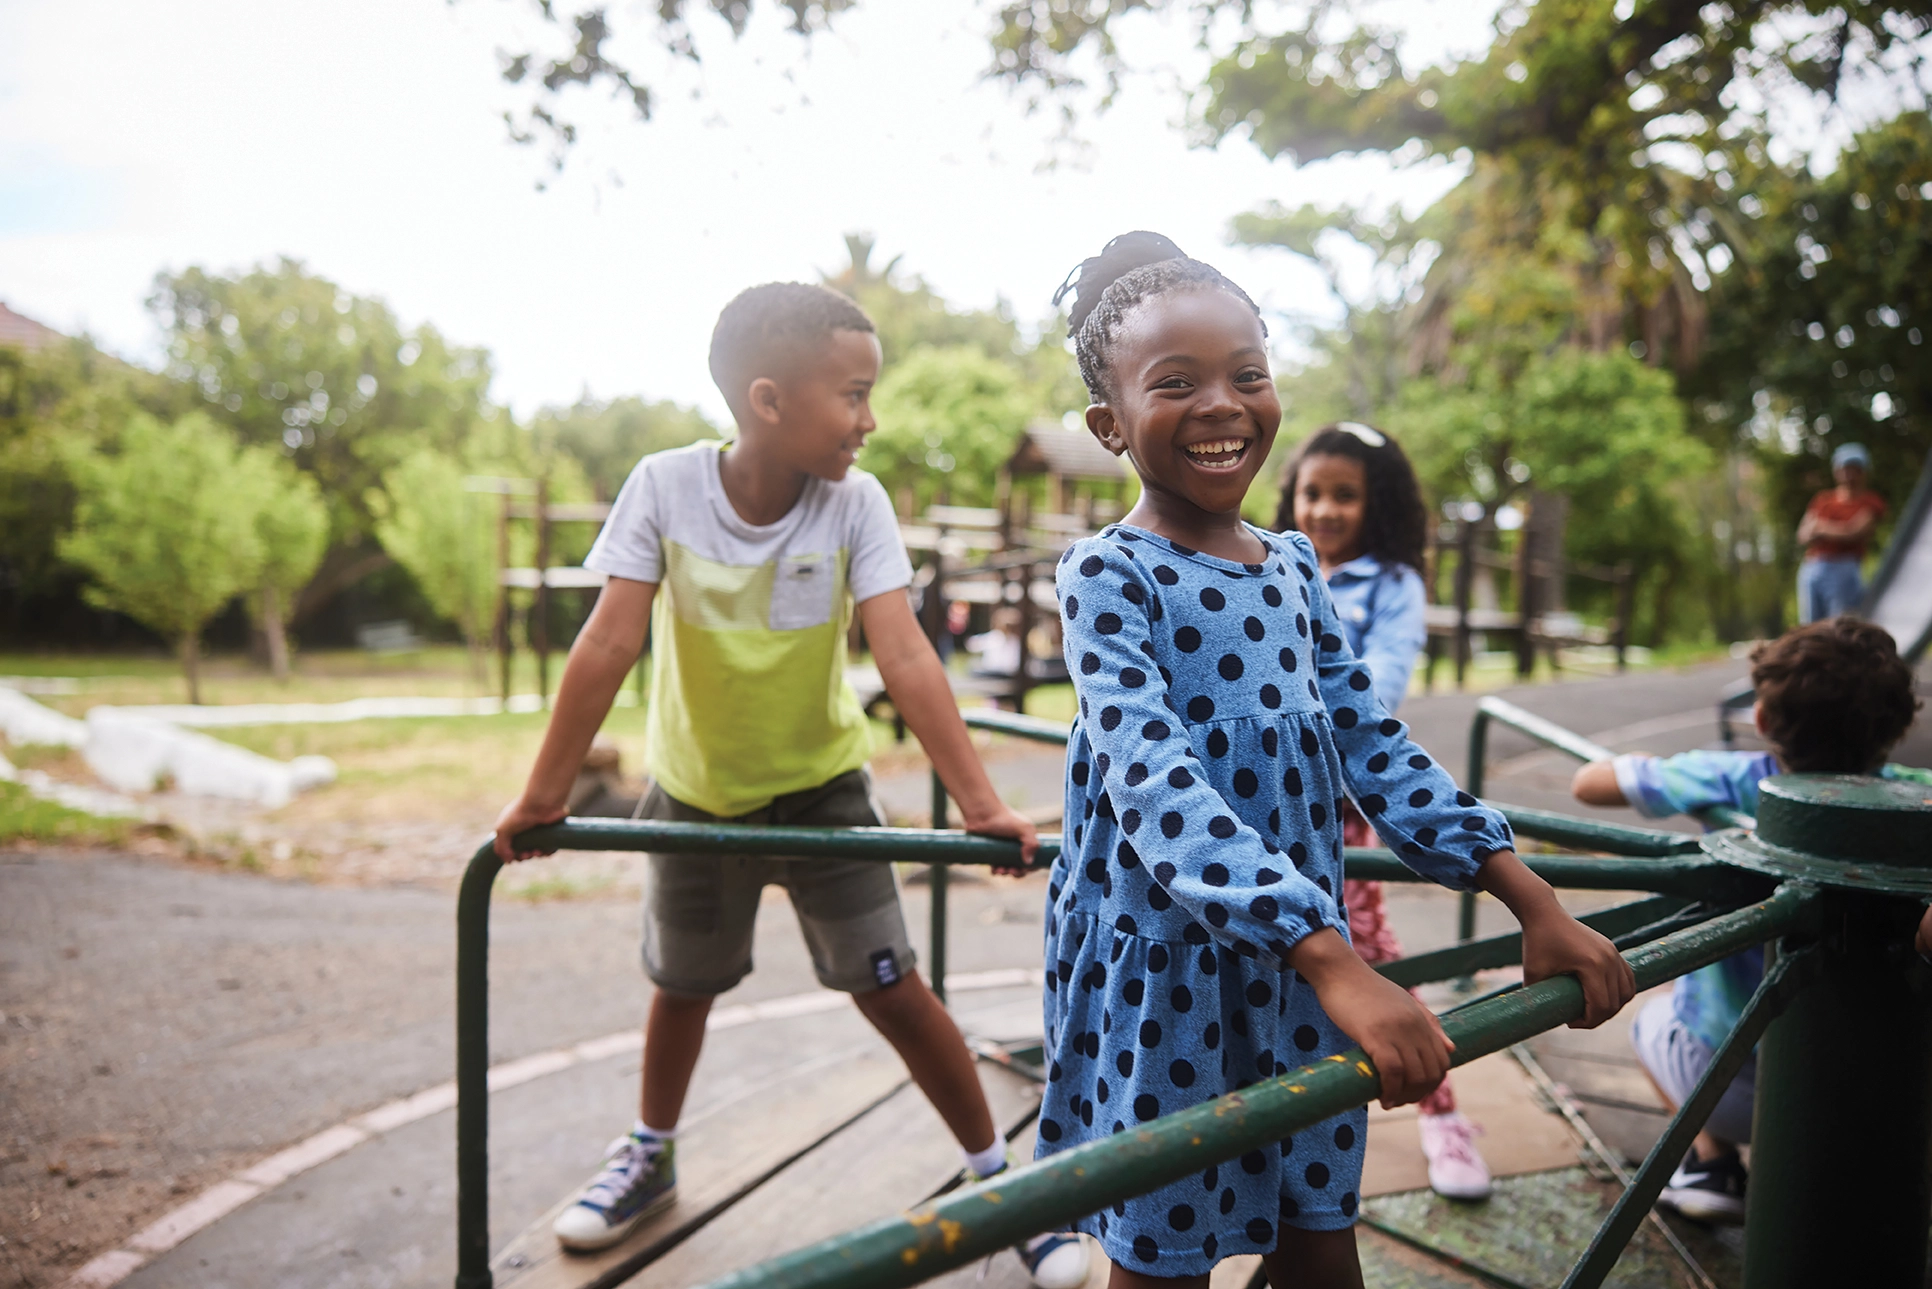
[984, 1163]
[642, 1129]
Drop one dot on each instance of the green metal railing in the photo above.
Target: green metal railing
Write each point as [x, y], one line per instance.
[1834, 879]
[970, 1223]
[1550, 734]
[883, 845]
[1014, 725]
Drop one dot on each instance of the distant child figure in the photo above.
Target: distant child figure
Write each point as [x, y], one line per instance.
[1194, 940]
[752, 557]
[1832, 697]
[1350, 490]
[1836, 529]
[1001, 651]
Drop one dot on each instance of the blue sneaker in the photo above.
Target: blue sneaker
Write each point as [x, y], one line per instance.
[639, 1179]
[1056, 1260]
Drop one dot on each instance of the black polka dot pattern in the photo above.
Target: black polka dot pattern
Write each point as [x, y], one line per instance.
[1223, 720]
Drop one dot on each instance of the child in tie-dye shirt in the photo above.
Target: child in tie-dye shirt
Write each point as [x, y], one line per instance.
[1832, 697]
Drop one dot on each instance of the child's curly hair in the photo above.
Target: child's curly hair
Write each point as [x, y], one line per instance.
[1834, 696]
[1395, 524]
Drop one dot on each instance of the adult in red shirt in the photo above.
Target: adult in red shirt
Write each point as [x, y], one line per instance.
[1836, 529]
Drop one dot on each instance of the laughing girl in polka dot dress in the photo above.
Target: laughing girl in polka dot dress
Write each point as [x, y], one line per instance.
[1194, 944]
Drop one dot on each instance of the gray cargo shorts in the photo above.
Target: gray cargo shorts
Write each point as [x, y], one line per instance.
[699, 910]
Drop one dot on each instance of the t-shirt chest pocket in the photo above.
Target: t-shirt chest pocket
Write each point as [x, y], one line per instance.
[802, 591]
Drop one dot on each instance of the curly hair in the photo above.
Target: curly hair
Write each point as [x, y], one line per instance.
[1130, 269]
[1395, 524]
[767, 328]
[1834, 696]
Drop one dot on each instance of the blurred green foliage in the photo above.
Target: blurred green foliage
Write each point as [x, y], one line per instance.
[51, 399]
[957, 387]
[291, 361]
[25, 817]
[165, 528]
[608, 438]
[444, 534]
[949, 418]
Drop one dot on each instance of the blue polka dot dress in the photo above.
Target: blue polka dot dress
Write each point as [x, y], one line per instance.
[1222, 720]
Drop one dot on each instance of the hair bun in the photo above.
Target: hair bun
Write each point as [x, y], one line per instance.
[1121, 256]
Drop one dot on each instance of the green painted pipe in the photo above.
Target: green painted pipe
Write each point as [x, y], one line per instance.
[1015, 725]
[1507, 950]
[1595, 834]
[912, 1247]
[906, 845]
[473, 1070]
[1689, 875]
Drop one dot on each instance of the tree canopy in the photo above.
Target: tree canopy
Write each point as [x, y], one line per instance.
[949, 418]
[444, 534]
[166, 528]
[608, 438]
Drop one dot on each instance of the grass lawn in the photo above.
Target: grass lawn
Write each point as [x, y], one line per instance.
[329, 676]
[25, 817]
[413, 794]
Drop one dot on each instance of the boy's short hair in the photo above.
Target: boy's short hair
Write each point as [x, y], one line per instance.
[767, 329]
[1834, 696]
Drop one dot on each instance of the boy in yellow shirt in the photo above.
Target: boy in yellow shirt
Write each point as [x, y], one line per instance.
[747, 559]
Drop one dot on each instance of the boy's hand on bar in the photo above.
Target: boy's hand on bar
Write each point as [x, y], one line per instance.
[519, 816]
[1006, 822]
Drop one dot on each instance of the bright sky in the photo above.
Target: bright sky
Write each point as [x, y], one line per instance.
[365, 138]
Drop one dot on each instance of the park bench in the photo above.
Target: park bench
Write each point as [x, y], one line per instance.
[1833, 874]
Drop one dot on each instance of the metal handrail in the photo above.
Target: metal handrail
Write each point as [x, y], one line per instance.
[1680, 875]
[885, 845]
[1550, 734]
[969, 1223]
[1843, 920]
[1016, 725]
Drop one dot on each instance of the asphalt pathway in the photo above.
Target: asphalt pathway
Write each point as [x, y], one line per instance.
[166, 1026]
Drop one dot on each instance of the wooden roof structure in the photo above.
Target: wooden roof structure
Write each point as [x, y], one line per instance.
[23, 332]
[1058, 452]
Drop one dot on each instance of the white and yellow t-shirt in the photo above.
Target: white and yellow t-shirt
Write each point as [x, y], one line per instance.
[748, 693]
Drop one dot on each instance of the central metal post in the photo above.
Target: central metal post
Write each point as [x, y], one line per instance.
[1841, 1146]
[1839, 1176]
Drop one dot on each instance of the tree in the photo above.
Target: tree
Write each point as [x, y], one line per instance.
[909, 314]
[295, 364]
[445, 536]
[166, 528]
[292, 525]
[52, 400]
[1604, 430]
[607, 439]
[1821, 325]
[1607, 140]
[948, 420]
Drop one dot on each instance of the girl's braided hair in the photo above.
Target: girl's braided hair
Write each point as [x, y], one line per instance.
[1395, 524]
[1105, 288]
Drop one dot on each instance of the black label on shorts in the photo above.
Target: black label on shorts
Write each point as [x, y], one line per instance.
[885, 968]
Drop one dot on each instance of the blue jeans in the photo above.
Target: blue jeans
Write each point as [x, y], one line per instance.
[1828, 586]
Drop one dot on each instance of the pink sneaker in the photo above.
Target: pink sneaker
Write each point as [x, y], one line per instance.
[1456, 1170]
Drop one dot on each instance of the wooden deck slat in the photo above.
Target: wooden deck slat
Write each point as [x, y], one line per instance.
[720, 1158]
[886, 1160]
